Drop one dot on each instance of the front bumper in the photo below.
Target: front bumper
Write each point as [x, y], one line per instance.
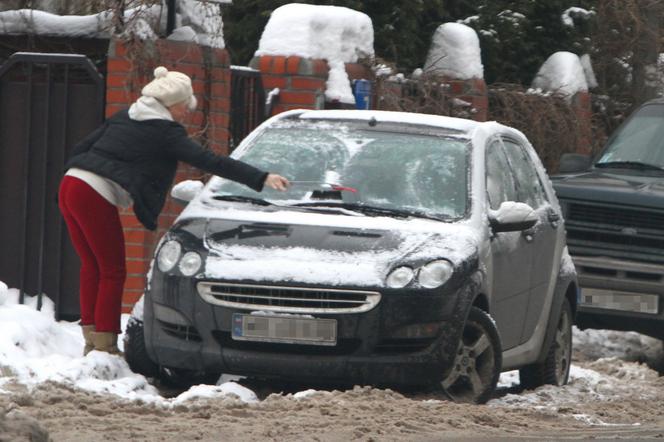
[620, 295]
[370, 346]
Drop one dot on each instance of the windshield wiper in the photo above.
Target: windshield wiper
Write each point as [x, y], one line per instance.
[372, 210]
[243, 199]
[629, 165]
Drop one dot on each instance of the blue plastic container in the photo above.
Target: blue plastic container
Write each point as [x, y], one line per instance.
[362, 92]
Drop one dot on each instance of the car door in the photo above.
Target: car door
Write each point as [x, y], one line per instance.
[511, 254]
[542, 237]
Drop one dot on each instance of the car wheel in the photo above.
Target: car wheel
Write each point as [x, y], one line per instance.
[135, 352]
[555, 368]
[476, 368]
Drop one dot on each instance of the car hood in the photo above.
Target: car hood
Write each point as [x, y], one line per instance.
[613, 187]
[356, 252]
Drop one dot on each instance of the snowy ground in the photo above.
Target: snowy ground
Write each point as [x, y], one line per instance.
[614, 391]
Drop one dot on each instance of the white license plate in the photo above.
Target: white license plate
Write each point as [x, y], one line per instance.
[624, 301]
[284, 329]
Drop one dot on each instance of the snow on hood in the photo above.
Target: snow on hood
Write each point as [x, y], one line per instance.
[336, 34]
[562, 72]
[455, 52]
[413, 239]
[333, 267]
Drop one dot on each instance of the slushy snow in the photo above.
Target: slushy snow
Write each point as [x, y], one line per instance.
[455, 52]
[35, 349]
[336, 34]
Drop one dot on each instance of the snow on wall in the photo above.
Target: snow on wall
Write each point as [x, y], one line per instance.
[198, 22]
[455, 52]
[336, 34]
[562, 72]
[570, 14]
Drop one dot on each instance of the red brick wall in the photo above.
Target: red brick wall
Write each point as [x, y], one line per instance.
[301, 81]
[209, 70]
[582, 105]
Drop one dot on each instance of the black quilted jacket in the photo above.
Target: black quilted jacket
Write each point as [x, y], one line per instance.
[142, 156]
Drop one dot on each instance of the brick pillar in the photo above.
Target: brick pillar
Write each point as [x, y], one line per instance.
[209, 70]
[301, 81]
[582, 106]
[472, 91]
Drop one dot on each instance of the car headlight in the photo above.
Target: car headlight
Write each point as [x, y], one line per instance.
[400, 277]
[168, 255]
[190, 263]
[435, 274]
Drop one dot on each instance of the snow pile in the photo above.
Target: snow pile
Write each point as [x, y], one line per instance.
[563, 73]
[336, 34]
[602, 380]
[630, 346]
[34, 349]
[455, 52]
[198, 22]
[575, 12]
[30, 21]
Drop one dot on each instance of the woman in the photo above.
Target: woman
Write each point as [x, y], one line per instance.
[131, 159]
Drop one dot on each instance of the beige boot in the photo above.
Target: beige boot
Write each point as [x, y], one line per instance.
[87, 335]
[106, 341]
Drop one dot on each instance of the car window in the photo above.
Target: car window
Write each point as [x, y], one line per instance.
[528, 183]
[641, 139]
[499, 184]
[391, 168]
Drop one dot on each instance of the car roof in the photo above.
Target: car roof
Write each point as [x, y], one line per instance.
[457, 126]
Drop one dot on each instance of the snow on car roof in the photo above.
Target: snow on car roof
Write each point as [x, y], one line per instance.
[462, 126]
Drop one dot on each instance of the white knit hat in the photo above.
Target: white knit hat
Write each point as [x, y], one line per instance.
[170, 87]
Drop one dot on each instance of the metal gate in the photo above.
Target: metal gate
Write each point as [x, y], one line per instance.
[48, 102]
[247, 103]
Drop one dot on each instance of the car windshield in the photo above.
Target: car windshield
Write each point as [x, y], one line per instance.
[639, 142]
[354, 165]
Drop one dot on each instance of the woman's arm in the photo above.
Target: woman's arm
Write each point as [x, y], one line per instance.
[181, 147]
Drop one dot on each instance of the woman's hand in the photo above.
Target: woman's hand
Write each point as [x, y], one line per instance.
[277, 182]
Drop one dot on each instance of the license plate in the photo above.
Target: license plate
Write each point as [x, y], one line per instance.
[284, 329]
[624, 301]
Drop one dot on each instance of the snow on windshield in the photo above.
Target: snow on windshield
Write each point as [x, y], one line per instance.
[380, 167]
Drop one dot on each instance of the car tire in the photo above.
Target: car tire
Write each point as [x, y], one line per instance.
[474, 374]
[135, 352]
[555, 368]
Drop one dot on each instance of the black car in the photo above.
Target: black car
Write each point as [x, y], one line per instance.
[410, 249]
[614, 211]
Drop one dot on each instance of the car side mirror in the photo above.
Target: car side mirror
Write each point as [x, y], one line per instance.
[185, 191]
[512, 217]
[573, 162]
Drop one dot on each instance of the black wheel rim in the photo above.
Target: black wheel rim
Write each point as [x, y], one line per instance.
[474, 366]
[563, 349]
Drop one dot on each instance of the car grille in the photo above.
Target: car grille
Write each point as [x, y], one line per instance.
[615, 231]
[288, 299]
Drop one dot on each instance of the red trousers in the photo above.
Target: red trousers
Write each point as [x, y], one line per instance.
[95, 230]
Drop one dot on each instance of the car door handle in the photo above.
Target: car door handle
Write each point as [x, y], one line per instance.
[554, 217]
